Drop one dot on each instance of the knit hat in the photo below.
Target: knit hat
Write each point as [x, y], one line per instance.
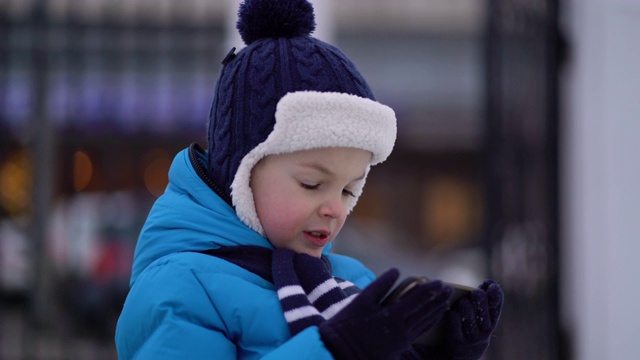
[287, 91]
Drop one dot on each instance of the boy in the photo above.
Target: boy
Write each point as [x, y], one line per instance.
[234, 260]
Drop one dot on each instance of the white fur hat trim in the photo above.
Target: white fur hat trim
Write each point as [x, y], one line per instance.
[307, 120]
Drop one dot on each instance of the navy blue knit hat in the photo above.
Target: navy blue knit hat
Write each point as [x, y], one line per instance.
[286, 78]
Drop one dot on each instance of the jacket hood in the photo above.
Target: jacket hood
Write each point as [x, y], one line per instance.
[189, 216]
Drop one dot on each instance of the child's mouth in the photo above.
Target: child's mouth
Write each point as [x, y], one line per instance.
[317, 238]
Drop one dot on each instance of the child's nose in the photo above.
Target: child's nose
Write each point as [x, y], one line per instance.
[333, 207]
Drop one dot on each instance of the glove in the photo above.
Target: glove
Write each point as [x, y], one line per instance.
[366, 329]
[468, 325]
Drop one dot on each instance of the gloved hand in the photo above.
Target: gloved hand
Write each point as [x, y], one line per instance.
[468, 325]
[366, 329]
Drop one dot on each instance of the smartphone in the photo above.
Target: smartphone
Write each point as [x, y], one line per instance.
[435, 334]
[459, 291]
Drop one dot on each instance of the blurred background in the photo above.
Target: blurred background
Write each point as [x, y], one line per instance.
[516, 159]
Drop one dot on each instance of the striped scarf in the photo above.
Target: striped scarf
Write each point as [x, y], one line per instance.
[308, 293]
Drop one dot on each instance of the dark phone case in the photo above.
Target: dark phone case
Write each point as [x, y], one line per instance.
[407, 284]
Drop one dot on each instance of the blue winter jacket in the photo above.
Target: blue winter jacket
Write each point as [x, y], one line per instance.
[186, 305]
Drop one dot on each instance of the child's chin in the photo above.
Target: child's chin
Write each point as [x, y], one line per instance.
[312, 252]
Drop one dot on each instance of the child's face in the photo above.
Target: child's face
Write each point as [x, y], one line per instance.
[302, 198]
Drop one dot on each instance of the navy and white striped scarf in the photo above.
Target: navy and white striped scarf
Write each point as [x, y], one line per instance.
[308, 293]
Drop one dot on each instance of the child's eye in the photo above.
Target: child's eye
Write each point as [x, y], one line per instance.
[348, 193]
[309, 186]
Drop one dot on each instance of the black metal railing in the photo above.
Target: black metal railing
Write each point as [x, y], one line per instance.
[521, 154]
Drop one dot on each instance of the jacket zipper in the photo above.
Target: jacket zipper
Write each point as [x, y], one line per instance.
[203, 174]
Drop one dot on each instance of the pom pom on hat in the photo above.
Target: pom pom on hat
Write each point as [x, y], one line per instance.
[276, 18]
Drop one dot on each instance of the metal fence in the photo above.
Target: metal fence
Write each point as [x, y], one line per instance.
[70, 72]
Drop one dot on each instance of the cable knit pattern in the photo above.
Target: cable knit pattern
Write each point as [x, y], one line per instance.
[220, 130]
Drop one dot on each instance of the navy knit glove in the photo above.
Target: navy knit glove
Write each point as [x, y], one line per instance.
[366, 329]
[468, 326]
